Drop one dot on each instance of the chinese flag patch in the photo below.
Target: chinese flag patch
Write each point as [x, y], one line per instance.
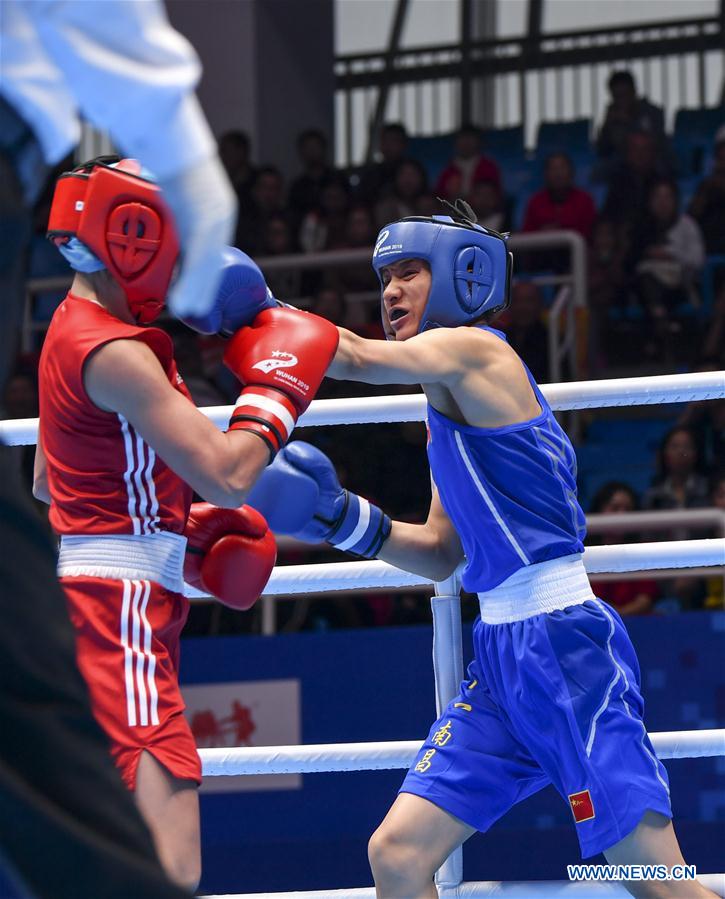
[582, 806]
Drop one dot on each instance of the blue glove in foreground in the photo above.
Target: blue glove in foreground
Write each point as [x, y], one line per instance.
[299, 494]
[241, 295]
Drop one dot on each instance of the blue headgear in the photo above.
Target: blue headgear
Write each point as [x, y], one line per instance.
[470, 267]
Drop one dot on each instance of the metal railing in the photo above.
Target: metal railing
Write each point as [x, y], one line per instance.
[562, 341]
[554, 77]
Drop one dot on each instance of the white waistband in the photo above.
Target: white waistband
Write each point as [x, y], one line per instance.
[543, 587]
[151, 557]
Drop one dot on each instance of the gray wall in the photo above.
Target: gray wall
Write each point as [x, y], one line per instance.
[268, 68]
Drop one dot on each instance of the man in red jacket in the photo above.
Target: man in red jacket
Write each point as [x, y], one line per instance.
[560, 205]
[468, 166]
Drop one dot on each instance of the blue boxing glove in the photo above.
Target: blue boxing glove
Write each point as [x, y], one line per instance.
[299, 494]
[242, 294]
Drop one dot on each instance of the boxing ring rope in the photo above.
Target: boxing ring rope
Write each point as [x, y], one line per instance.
[291, 580]
[335, 757]
[447, 645]
[483, 889]
[411, 407]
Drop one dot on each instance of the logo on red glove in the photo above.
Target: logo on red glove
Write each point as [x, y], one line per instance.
[280, 359]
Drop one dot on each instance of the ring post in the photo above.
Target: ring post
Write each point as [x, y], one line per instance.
[448, 671]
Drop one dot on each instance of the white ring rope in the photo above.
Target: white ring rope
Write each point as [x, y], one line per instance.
[290, 580]
[367, 410]
[483, 889]
[313, 759]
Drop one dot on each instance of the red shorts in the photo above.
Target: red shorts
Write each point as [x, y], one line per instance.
[127, 635]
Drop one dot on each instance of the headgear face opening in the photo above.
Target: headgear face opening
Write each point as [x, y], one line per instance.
[122, 219]
[470, 268]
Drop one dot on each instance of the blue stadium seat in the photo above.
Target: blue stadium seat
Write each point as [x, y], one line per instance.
[432, 152]
[698, 125]
[504, 143]
[687, 188]
[693, 136]
[601, 463]
[571, 138]
[713, 264]
[637, 432]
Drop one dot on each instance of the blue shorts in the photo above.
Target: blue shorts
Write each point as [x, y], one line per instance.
[556, 699]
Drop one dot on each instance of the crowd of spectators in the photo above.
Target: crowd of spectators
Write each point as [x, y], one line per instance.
[648, 303]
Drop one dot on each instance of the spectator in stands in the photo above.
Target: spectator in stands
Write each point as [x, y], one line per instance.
[707, 420]
[360, 228]
[20, 400]
[607, 289]
[267, 200]
[189, 359]
[467, 167]
[666, 256]
[525, 330]
[708, 204]
[605, 267]
[323, 228]
[44, 260]
[378, 178]
[678, 483]
[627, 113]
[427, 205]
[631, 182]
[715, 597]
[278, 236]
[234, 152]
[628, 597]
[560, 205]
[305, 192]
[279, 240]
[330, 303]
[411, 182]
[360, 233]
[714, 345]
[486, 201]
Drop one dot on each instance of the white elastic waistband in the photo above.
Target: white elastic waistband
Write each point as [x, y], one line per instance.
[151, 557]
[543, 587]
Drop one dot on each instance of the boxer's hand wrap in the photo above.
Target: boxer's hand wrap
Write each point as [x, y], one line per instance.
[281, 358]
[300, 494]
[241, 295]
[230, 553]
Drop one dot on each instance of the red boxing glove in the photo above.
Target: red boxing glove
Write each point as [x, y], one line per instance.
[281, 358]
[230, 553]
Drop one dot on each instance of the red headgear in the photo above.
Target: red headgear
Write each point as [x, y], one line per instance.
[122, 219]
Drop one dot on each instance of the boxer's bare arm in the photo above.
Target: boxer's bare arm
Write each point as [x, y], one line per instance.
[432, 549]
[461, 370]
[441, 356]
[40, 474]
[124, 376]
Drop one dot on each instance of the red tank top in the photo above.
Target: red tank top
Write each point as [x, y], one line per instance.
[102, 476]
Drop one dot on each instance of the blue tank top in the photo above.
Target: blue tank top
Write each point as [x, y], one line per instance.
[510, 492]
